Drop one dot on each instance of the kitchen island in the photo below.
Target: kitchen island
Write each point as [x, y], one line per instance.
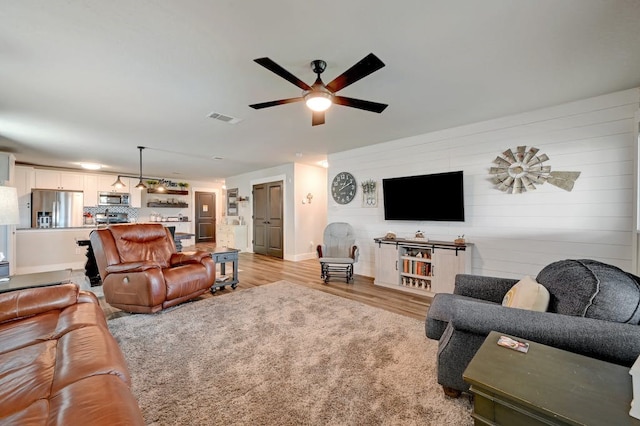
[50, 249]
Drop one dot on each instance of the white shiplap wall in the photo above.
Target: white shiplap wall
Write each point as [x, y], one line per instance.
[515, 234]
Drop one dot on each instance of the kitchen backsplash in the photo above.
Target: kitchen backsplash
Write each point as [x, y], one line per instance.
[130, 211]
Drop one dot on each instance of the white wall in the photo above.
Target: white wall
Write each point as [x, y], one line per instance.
[515, 234]
[310, 217]
[303, 223]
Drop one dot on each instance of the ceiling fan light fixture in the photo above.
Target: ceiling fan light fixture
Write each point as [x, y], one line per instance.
[318, 101]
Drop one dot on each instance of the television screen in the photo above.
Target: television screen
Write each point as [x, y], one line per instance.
[438, 197]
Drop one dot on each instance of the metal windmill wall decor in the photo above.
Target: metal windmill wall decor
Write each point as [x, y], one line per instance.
[520, 171]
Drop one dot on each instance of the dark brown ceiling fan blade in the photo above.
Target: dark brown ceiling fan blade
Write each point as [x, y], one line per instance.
[317, 118]
[366, 66]
[278, 102]
[277, 69]
[360, 104]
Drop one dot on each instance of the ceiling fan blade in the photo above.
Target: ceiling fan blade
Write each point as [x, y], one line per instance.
[317, 118]
[366, 66]
[275, 68]
[274, 103]
[360, 104]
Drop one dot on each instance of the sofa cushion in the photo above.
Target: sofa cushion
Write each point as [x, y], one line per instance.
[527, 294]
[592, 289]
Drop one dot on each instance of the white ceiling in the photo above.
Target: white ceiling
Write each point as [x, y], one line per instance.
[90, 80]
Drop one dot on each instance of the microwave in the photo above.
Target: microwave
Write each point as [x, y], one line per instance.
[113, 199]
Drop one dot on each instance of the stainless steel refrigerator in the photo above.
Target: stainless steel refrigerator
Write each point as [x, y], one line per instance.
[52, 208]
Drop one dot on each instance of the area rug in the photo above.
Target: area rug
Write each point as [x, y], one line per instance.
[284, 354]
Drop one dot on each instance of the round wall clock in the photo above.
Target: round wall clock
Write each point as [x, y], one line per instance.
[343, 188]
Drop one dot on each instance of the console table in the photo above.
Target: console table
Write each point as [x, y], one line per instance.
[546, 386]
[222, 255]
[419, 265]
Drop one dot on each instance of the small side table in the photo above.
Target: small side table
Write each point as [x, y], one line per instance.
[224, 255]
[546, 386]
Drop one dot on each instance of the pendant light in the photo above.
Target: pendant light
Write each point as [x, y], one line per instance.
[141, 184]
[118, 183]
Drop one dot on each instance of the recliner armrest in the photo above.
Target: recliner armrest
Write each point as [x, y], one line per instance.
[184, 258]
[492, 289]
[140, 266]
[609, 341]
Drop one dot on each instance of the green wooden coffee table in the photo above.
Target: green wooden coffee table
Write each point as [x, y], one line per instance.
[546, 386]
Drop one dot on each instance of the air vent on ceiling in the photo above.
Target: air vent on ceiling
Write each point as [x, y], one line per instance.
[225, 118]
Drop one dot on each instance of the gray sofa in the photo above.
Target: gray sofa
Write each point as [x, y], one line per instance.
[594, 310]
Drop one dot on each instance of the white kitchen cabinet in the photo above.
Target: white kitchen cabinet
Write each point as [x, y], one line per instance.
[136, 194]
[24, 180]
[7, 166]
[90, 190]
[232, 236]
[53, 179]
[105, 184]
[181, 226]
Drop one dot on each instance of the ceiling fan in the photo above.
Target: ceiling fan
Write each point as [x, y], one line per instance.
[319, 96]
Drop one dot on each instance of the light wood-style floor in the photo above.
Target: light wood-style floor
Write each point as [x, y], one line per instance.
[256, 270]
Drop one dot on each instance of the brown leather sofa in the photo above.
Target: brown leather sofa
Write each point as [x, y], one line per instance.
[59, 364]
[142, 272]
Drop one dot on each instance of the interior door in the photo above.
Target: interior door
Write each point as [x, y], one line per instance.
[268, 219]
[205, 217]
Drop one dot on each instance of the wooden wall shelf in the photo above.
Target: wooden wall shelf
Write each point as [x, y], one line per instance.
[168, 191]
[174, 205]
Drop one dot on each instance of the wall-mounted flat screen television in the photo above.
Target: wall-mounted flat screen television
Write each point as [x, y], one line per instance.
[438, 197]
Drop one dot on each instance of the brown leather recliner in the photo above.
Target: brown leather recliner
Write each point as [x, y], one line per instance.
[142, 272]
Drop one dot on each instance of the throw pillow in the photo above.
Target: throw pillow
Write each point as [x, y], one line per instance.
[527, 294]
